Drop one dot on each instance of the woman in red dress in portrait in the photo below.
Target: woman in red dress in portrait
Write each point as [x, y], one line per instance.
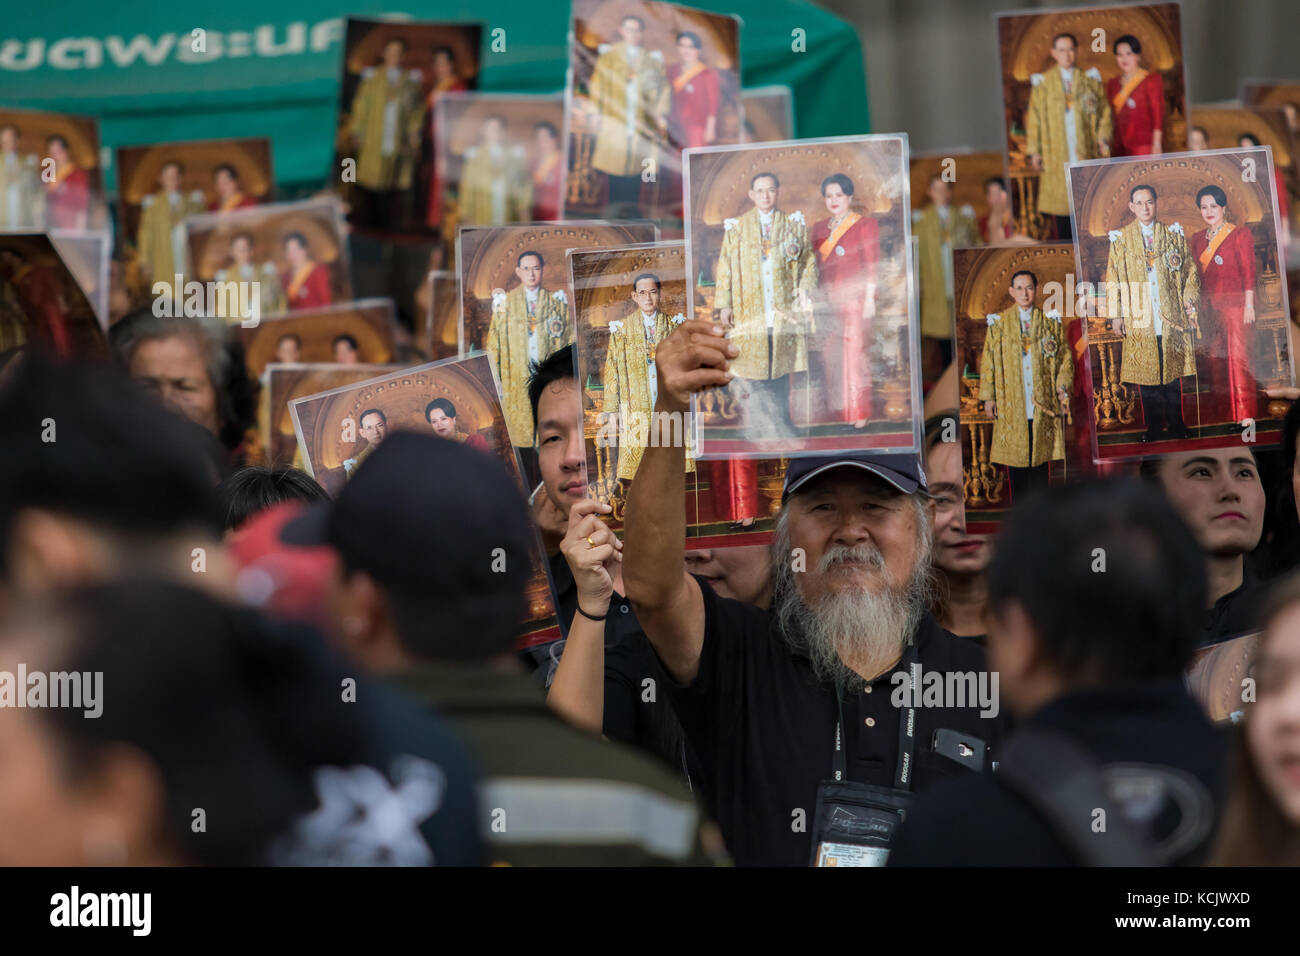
[848, 247]
[445, 80]
[1137, 98]
[306, 282]
[67, 196]
[547, 172]
[693, 111]
[1225, 258]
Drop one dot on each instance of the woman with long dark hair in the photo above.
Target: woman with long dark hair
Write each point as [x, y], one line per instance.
[1261, 820]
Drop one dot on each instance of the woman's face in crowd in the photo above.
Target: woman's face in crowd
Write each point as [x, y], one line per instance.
[174, 368]
[955, 551]
[1273, 726]
[1217, 492]
[742, 574]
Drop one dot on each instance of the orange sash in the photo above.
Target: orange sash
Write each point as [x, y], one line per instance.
[544, 168]
[441, 87]
[1214, 244]
[827, 247]
[59, 176]
[299, 278]
[687, 76]
[1121, 97]
[232, 203]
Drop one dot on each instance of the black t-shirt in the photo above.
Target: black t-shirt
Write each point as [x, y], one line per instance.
[1236, 613]
[979, 821]
[762, 728]
[637, 710]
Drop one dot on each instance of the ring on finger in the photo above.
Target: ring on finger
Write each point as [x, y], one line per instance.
[590, 543]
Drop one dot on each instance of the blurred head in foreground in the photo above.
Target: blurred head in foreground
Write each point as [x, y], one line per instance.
[1092, 584]
[100, 482]
[425, 577]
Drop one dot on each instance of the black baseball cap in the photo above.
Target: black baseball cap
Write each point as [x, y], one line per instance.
[904, 472]
[429, 517]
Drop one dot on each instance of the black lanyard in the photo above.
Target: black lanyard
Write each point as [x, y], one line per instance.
[906, 728]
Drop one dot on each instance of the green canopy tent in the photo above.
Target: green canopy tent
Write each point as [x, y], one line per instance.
[155, 72]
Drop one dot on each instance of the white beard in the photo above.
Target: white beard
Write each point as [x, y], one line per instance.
[849, 633]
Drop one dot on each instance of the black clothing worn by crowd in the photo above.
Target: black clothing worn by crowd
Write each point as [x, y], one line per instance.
[1155, 725]
[763, 728]
[636, 712]
[1236, 613]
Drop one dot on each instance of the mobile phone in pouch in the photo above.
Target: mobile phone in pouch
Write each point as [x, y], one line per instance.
[968, 750]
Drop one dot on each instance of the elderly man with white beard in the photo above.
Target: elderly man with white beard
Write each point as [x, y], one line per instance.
[815, 722]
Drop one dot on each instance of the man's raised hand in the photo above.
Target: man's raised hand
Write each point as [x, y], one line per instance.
[694, 357]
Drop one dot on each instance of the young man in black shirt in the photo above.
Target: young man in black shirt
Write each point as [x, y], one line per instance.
[632, 710]
[795, 714]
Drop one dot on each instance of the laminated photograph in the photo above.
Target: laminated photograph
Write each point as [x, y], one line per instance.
[51, 177]
[960, 199]
[268, 260]
[647, 80]
[1241, 127]
[394, 72]
[351, 333]
[455, 399]
[1179, 258]
[42, 305]
[515, 303]
[284, 382]
[162, 185]
[627, 301]
[801, 251]
[1022, 418]
[500, 158]
[1086, 83]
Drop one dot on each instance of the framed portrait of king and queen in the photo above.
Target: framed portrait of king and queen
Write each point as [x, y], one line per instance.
[801, 250]
[627, 300]
[1185, 289]
[1086, 83]
[646, 81]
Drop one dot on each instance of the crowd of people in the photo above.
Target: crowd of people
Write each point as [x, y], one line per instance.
[339, 681]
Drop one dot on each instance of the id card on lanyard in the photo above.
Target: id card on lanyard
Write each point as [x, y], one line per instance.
[854, 823]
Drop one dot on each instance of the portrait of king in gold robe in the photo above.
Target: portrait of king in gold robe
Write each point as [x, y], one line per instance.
[1026, 371]
[763, 287]
[159, 241]
[244, 268]
[385, 121]
[629, 375]
[495, 182]
[1151, 273]
[1069, 119]
[630, 99]
[939, 228]
[528, 323]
